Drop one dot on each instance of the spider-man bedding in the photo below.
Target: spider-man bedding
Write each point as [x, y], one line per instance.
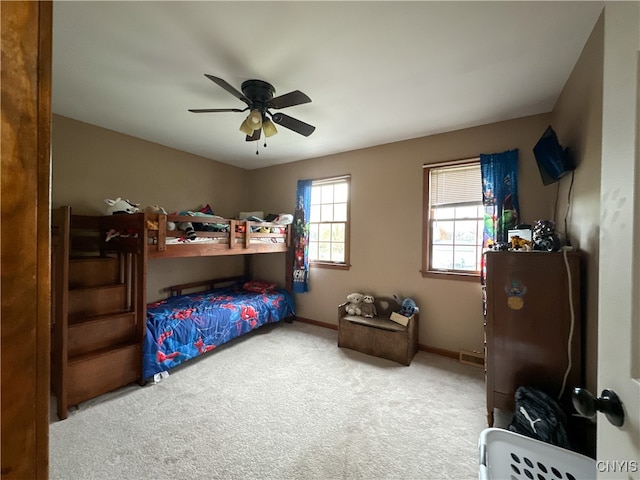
[183, 327]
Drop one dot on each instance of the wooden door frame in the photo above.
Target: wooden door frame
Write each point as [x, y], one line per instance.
[26, 44]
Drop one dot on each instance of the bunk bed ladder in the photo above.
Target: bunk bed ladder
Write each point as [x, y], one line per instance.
[98, 311]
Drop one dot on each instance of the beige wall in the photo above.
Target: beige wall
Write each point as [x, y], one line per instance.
[577, 119]
[90, 164]
[386, 228]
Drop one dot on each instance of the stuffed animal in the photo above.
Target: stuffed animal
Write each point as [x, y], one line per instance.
[158, 209]
[354, 303]
[120, 206]
[368, 308]
[407, 306]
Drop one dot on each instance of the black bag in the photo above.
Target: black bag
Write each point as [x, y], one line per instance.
[539, 416]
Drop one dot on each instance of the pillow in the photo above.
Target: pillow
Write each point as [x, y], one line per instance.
[258, 286]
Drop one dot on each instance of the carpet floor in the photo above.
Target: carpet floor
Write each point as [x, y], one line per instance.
[283, 402]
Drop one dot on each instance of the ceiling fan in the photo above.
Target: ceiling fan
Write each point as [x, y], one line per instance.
[258, 95]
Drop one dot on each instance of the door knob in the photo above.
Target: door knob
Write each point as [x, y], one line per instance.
[587, 405]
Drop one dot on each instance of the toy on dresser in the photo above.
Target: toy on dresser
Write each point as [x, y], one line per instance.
[519, 243]
[544, 236]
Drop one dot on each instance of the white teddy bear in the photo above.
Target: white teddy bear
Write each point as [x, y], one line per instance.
[354, 303]
[368, 308]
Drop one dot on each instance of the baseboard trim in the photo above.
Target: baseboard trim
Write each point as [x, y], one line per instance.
[317, 323]
[443, 352]
[425, 348]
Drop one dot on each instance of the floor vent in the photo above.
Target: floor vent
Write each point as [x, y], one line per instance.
[472, 358]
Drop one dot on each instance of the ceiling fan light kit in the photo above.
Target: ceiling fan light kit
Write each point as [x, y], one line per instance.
[254, 120]
[246, 128]
[269, 128]
[259, 97]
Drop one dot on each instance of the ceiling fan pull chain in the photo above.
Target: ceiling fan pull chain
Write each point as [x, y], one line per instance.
[257, 149]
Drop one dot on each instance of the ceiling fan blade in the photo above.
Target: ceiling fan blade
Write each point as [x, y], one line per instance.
[255, 137]
[294, 124]
[212, 110]
[236, 93]
[288, 100]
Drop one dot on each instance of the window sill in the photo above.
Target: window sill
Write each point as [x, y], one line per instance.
[447, 275]
[334, 266]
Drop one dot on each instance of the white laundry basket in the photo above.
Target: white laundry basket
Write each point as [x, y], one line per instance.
[507, 455]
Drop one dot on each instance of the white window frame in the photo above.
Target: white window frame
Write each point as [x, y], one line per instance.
[314, 220]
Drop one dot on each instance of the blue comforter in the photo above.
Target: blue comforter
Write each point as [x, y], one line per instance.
[183, 327]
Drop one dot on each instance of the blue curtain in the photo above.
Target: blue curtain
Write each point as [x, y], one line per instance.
[301, 237]
[499, 195]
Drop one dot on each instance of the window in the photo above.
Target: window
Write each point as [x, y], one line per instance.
[453, 218]
[329, 223]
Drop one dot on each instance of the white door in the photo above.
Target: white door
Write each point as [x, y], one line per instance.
[618, 449]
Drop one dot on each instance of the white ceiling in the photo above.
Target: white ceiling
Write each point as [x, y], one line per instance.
[377, 72]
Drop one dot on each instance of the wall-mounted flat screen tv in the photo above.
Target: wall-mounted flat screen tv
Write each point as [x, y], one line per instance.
[553, 161]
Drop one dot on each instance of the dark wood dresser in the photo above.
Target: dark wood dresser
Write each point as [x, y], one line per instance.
[532, 310]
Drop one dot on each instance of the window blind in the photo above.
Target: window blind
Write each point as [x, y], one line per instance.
[455, 185]
[340, 179]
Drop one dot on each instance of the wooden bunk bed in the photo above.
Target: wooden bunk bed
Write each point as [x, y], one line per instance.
[241, 237]
[99, 306]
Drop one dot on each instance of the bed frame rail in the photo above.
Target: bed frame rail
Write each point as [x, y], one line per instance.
[205, 285]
